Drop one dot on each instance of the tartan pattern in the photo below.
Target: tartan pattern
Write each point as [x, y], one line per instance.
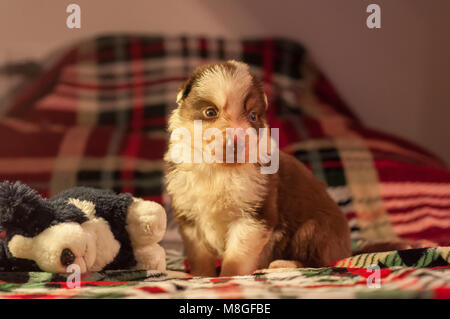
[330, 282]
[101, 109]
[96, 117]
[417, 258]
[51, 159]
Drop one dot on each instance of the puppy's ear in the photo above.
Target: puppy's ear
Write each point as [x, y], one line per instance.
[179, 96]
[262, 88]
[185, 90]
[266, 103]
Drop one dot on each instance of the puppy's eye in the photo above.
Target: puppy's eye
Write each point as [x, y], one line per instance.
[67, 257]
[210, 112]
[253, 116]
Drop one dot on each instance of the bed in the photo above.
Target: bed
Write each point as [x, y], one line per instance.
[94, 114]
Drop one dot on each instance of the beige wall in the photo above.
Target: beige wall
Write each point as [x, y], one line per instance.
[395, 78]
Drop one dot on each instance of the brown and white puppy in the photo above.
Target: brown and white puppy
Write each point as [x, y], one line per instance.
[233, 211]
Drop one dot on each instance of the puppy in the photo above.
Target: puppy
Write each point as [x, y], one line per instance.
[233, 211]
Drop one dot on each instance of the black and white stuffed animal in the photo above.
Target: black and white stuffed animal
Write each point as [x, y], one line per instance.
[92, 228]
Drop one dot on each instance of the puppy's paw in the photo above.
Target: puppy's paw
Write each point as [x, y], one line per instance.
[399, 244]
[423, 243]
[280, 263]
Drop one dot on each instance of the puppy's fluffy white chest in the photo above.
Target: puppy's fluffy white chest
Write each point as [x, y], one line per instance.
[215, 196]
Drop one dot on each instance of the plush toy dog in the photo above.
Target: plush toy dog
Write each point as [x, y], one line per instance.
[94, 229]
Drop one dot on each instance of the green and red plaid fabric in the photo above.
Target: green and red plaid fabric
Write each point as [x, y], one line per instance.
[399, 277]
[96, 116]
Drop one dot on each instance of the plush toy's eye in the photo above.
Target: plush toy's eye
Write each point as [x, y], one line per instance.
[67, 257]
[253, 116]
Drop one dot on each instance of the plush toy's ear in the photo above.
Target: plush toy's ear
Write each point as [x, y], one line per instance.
[23, 210]
[21, 247]
[9, 263]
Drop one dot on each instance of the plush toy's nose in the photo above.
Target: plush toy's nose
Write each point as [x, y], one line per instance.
[67, 257]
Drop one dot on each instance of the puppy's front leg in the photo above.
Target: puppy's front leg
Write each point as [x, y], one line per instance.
[245, 242]
[201, 260]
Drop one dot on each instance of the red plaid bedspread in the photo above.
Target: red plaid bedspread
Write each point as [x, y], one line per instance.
[96, 116]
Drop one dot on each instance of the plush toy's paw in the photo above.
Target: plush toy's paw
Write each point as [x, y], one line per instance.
[150, 257]
[146, 222]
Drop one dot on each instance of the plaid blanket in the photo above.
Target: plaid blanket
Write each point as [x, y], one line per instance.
[96, 116]
[400, 280]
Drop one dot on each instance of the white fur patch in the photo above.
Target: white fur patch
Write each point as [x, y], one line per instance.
[87, 207]
[102, 240]
[244, 234]
[45, 249]
[146, 224]
[216, 196]
[225, 89]
[150, 257]
[246, 240]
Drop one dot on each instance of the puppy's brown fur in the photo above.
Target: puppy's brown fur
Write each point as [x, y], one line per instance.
[234, 212]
